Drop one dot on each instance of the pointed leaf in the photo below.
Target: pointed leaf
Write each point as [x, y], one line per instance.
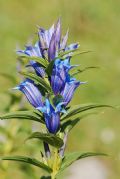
[84, 69]
[48, 138]
[69, 124]
[72, 157]
[50, 68]
[38, 80]
[22, 115]
[28, 160]
[71, 53]
[79, 53]
[62, 54]
[41, 61]
[78, 109]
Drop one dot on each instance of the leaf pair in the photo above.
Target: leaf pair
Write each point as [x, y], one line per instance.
[66, 162]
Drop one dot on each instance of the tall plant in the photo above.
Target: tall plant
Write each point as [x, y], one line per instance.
[49, 87]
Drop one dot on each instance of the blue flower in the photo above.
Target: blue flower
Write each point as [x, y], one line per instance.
[34, 52]
[68, 91]
[49, 47]
[31, 92]
[52, 115]
[49, 44]
[38, 69]
[59, 74]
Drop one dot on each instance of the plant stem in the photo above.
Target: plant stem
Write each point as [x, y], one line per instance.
[52, 176]
[55, 164]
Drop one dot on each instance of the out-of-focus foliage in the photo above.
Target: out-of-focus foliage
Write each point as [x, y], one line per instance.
[95, 24]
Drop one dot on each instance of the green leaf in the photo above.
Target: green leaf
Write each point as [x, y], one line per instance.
[41, 61]
[28, 160]
[48, 138]
[62, 54]
[69, 124]
[72, 53]
[84, 69]
[79, 53]
[72, 157]
[38, 80]
[57, 99]
[29, 115]
[78, 109]
[50, 68]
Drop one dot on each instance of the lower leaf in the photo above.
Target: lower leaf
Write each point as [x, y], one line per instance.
[72, 157]
[28, 160]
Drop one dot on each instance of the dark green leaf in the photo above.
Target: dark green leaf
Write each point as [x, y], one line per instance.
[82, 70]
[38, 80]
[62, 54]
[50, 68]
[79, 53]
[72, 157]
[48, 138]
[69, 124]
[29, 115]
[41, 61]
[72, 53]
[78, 109]
[28, 160]
[57, 99]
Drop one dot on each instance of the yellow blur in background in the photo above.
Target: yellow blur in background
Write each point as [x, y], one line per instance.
[96, 25]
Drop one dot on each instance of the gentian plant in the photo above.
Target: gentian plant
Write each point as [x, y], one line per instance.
[49, 85]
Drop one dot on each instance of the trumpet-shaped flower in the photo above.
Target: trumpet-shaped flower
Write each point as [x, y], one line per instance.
[50, 44]
[52, 117]
[59, 74]
[51, 114]
[31, 92]
[68, 91]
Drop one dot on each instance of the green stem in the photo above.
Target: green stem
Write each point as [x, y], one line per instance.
[55, 164]
[52, 176]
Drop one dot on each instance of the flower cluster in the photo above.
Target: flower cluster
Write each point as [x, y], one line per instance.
[53, 49]
[49, 85]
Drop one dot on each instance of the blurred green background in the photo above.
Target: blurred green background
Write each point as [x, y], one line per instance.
[96, 25]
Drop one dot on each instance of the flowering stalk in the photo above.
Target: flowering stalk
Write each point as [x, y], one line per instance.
[49, 87]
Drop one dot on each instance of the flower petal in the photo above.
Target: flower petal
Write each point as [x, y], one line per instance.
[38, 69]
[69, 90]
[64, 41]
[52, 122]
[31, 92]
